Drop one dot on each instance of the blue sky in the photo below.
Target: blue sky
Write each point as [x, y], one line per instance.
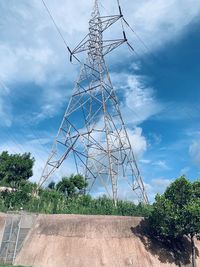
[158, 89]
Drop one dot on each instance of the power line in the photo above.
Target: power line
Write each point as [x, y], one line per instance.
[131, 49]
[139, 38]
[134, 32]
[58, 30]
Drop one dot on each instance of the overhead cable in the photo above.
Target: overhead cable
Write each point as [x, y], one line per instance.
[59, 31]
[139, 38]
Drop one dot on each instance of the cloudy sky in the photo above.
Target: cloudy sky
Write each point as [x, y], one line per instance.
[158, 86]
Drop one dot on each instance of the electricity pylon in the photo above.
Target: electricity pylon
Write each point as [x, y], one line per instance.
[93, 130]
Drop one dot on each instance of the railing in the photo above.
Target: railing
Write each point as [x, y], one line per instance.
[15, 232]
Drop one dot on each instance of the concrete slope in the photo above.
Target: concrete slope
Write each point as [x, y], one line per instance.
[2, 224]
[90, 241]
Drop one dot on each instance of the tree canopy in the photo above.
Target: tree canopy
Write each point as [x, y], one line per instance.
[176, 213]
[15, 168]
[70, 186]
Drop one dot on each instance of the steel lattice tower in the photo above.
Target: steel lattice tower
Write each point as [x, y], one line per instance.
[93, 130]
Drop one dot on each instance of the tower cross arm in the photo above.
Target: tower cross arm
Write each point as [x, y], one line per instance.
[106, 22]
[108, 46]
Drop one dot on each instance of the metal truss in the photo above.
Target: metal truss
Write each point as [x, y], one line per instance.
[93, 130]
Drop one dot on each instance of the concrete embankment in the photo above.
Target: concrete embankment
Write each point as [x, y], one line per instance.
[93, 241]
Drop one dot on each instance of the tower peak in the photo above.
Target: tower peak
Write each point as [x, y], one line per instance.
[96, 7]
[95, 34]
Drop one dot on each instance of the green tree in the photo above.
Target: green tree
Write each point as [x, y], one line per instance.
[15, 168]
[52, 185]
[71, 186]
[19, 198]
[176, 213]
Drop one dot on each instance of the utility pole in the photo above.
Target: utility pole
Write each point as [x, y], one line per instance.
[93, 131]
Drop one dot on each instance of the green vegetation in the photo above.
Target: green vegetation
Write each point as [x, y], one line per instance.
[176, 213]
[53, 202]
[15, 169]
[65, 197]
[70, 187]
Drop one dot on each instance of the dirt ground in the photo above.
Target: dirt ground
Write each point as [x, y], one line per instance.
[94, 241]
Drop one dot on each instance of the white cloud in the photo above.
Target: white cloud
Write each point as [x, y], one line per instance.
[145, 161]
[155, 186]
[138, 142]
[26, 63]
[161, 182]
[5, 114]
[194, 151]
[161, 164]
[31, 42]
[32, 51]
[140, 102]
[155, 138]
[185, 171]
[30, 48]
[52, 104]
[160, 21]
[179, 111]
